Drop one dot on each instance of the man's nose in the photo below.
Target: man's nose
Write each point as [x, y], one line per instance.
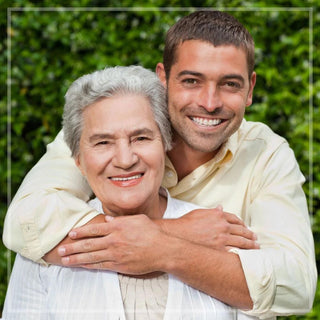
[210, 98]
[124, 156]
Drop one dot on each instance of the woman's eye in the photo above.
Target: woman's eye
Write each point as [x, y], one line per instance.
[141, 138]
[101, 143]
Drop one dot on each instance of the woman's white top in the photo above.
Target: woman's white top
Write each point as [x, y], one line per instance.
[54, 292]
[144, 298]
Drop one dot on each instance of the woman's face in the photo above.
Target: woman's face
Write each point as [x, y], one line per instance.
[122, 154]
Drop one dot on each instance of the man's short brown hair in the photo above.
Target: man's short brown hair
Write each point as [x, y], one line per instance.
[216, 27]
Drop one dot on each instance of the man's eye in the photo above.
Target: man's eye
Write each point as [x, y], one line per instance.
[190, 81]
[233, 84]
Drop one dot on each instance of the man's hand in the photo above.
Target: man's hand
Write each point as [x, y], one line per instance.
[212, 228]
[130, 244]
[53, 256]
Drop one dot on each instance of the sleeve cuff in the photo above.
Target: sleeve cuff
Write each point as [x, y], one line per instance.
[260, 279]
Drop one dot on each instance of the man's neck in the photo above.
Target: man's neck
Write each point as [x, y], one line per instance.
[185, 159]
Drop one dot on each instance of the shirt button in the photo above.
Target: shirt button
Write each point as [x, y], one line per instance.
[170, 174]
[27, 228]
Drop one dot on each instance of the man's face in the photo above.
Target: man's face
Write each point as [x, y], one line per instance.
[208, 91]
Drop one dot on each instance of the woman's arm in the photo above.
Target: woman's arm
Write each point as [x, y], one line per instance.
[26, 296]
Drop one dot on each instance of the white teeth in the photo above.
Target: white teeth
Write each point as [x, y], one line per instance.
[206, 122]
[127, 178]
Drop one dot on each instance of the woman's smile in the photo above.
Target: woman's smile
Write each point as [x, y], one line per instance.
[128, 180]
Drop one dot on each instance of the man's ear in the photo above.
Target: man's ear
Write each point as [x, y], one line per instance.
[161, 73]
[252, 84]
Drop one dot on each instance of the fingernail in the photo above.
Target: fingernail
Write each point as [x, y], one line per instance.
[61, 251]
[108, 218]
[72, 234]
[65, 260]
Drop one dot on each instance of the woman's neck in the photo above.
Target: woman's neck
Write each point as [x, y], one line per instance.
[154, 208]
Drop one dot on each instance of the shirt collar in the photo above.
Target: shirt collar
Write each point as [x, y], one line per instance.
[224, 156]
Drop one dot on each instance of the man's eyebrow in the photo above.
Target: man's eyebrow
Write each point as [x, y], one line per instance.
[189, 73]
[199, 74]
[234, 76]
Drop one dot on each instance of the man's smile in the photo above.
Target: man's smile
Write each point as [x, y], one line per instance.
[206, 122]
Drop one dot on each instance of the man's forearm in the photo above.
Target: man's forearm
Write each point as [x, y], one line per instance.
[217, 273]
[136, 245]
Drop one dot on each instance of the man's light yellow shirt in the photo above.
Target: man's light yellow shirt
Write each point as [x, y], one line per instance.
[255, 175]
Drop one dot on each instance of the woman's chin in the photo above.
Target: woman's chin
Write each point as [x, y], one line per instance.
[123, 208]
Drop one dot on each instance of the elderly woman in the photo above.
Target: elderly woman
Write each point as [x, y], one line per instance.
[116, 125]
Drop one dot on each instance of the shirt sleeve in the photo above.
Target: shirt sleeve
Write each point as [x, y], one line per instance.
[26, 296]
[281, 275]
[49, 203]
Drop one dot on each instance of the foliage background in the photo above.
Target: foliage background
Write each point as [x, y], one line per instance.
[45, 49]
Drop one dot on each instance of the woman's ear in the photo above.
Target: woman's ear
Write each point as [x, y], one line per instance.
[161, 73]
[78, 164]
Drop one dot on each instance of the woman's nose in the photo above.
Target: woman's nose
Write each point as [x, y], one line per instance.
[124, 156]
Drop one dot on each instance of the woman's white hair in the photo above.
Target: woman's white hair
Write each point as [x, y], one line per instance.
[111, 82]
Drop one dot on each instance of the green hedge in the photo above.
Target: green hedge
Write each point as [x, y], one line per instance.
[49, 48]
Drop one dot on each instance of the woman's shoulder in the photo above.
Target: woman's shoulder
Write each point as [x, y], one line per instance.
[177, 208]
[96, 204]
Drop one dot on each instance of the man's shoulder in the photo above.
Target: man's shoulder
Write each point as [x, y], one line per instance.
[254, 130]
[255, 140]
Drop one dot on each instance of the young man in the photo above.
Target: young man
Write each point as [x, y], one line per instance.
[218, 159]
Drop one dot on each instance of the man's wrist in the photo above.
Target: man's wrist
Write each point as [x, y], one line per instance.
[165, 225]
